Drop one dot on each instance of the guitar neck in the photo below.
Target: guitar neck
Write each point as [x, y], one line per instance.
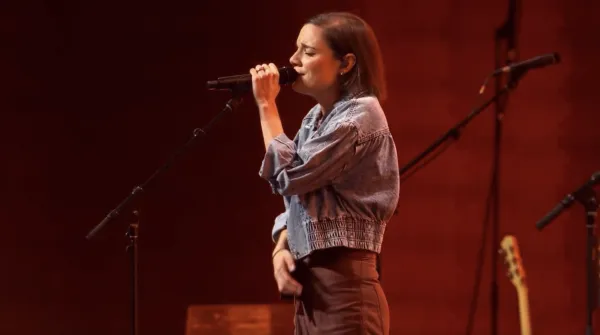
[522, 293]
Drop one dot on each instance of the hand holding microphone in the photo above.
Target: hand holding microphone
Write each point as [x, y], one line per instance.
[265, 83]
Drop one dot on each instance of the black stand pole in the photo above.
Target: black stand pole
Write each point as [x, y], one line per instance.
[132, 248]
[590, 203]
[585, 195]
[133, 228]
[504, 56]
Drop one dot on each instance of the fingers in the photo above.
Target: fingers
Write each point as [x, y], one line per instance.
[284, 264]
[273, 73]
[260, 70]
[273, 68]
[286, 284]
[265, 70]
[256, 72]
[291, 264]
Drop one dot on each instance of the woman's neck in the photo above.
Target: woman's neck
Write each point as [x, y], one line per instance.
[327, 101]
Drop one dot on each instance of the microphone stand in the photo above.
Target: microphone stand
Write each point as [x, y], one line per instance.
[590, 203]
[587, 197]
[454, 133]
[134, 222]
[507, 32]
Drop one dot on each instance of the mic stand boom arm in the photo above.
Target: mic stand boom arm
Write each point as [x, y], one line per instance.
[454, 132]
[229, 107]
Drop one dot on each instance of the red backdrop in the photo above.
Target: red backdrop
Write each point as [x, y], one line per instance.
[105, 91]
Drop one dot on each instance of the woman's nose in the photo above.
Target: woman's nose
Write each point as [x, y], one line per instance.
[294, 59]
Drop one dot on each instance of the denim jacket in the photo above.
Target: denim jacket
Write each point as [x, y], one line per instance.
[339, 179]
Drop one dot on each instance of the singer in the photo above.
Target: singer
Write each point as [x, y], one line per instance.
[339, 177]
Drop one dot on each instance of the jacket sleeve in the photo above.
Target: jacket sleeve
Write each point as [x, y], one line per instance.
[321, 159]
[280, 222]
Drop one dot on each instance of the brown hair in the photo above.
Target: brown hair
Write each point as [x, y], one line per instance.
[348, 33]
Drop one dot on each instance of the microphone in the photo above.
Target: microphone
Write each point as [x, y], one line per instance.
[532, 63]
[243, 82]
[567, 201]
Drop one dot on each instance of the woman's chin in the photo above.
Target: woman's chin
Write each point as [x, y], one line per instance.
[299, 87]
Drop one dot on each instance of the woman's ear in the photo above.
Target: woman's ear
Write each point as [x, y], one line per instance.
[348, 62]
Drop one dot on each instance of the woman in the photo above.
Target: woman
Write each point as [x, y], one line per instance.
[339, 178]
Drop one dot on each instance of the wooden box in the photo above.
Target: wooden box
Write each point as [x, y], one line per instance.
[250, 319]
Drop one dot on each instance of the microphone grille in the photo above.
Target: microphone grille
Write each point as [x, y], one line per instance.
[287, 75]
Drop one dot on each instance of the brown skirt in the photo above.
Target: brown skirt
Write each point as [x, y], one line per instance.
[341, 294]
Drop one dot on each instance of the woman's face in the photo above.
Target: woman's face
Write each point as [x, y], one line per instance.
[317, 68]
